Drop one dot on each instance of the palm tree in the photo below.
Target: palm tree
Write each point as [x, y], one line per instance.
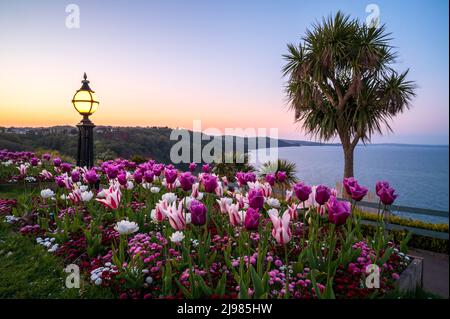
[341, 82]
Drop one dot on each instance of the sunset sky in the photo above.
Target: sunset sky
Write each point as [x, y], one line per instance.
[167, 63]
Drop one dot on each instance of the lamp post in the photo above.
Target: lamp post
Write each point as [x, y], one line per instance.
[86, 104]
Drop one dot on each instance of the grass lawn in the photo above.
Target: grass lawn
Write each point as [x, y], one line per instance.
[27, 270]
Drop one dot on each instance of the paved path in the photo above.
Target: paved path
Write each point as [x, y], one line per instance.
[436, 271]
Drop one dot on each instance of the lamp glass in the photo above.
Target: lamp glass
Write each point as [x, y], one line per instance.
[85, 102]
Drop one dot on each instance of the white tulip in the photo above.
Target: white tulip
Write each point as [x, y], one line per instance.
[125, 227]
[273, 202]
[47, 193]
[155, 190]
[177, 237]
[169, 197]
[87, 196]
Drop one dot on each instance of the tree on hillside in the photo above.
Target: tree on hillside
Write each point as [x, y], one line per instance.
[341, 82]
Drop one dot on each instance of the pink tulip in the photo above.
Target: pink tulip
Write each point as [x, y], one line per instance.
[281, 230]
[292, 209]
[112, 197]
[75, 196]
[176, 216]
[161, 207]
[235, 216]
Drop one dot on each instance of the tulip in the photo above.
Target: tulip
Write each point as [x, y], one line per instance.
[87, 196]
[323, 193]
[387, 195]
[192, 167]
[270, 178]
[236, 217]
[302, 191]
[75, 175]
[223, 204]
[46, 156]
[149, 176]
[66, 167]
[169, 197]
[157, 169]
[22, 169]
[338, 211]
[112, 197]
[75, 196]
[170, 175]
[281, 176]
[137, 176]
[210, 182]
[198, 213]
[91, 176]
[176, 237]
[292, 209]
[125, 227]
[251, 220]
[47, 193]
[186, 181]
[46, 175]
[281, 230]
[380, 185]
[122, 178]
[206, 168]
[57, 161]
[176, 216]
[256, 198]
[34, 161]
[158, 214]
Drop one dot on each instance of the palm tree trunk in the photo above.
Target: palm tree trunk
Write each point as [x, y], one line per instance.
[348, 160]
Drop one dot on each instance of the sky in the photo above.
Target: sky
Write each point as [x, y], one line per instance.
[167, 63]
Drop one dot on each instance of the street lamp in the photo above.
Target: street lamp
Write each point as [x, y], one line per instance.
[86, 104]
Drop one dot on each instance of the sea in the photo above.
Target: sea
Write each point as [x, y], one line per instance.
[420, 174]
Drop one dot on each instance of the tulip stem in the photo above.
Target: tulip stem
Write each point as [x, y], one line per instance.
[286, 255]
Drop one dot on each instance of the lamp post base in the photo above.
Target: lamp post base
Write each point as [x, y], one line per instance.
[85, 156]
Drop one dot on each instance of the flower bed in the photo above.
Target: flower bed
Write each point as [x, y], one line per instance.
[155, 232]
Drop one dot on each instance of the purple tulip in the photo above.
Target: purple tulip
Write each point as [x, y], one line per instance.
[186, 181]
[149, 176]
[157, 169]
[34, 161]
[60, 181]
[171, 175]
[206, 168]
[192, 167]
[270, 178]
[302, 191]
[75, 175]
[256, 198]
[281, 176]
[323, 194]
[353, 189]
[57, 161]
[91, 176]
[66, 167]
[122, 178]
[380, 185]
[112, 171]
[46, 156]
[198, 213]
[137, 177]
[251, 220]
[338, 211]
[210, 182]
[349, 182]
[387, 195]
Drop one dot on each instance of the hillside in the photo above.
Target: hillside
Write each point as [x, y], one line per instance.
[111, 142]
